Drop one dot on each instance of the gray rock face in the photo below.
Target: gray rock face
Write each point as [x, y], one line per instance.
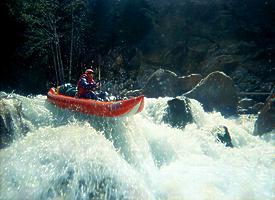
[161, 83]
[178, 113]
[216, 92]
[266, 118]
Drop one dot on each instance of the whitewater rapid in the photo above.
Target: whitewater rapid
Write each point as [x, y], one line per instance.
[67, 155]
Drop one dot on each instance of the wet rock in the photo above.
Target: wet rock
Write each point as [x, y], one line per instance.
[5, 133]
[11, 121]
[3, 95]
[245, 106]
[216, 92]
[251, 110]
[161, 83]
[266, 118]
[178, 112]
[222, 135]
[131, 93]
[246, 103]
[187, 83]
[244, 111]
[257, 107]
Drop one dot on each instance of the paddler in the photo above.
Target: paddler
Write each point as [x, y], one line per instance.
[86, 85]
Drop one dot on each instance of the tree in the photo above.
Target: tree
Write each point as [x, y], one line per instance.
[47, 31]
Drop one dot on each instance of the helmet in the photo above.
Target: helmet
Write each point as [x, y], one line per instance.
[89, 71]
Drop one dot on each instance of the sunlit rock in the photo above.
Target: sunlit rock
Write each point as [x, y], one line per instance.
[246, 103]
[266, 118]
[216, 92]
[187, 83]
[161, 83]
[178, 112]
[131, 93]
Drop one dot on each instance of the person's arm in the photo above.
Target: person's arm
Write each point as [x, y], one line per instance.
[86, 85]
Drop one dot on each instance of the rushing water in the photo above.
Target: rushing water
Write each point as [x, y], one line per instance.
[67, 155]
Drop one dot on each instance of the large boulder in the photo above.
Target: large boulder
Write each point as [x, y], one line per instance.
[216, 92]
[187, 83]
[161, 83]
[266, 118]
[178, 112]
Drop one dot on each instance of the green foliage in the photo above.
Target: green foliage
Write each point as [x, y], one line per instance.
[62, 35]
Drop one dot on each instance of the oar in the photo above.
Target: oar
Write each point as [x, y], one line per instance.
[99, 71]
[99, 77]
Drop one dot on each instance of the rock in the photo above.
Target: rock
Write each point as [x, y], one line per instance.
[216, 92]
[3, 95]
[166, 83]
[161, 83]
[222, 135]
[11, 121]
[187, 83]
[266, 118]
[225, 63]
[257, 107]
[245, 80]
[246, 103]
[132, 93]
[5, 130]
[178, 112]
[244, 111]
[251, 110]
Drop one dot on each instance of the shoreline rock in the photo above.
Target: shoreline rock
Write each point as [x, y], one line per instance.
[266, 118]
[216, 92]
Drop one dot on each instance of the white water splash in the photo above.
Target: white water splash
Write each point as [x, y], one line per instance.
[73, 156]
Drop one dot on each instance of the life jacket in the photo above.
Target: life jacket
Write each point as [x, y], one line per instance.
[81, 91]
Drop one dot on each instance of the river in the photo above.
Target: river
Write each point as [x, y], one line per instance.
[67, 155]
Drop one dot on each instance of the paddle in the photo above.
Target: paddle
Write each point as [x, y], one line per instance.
[99, 78]
[99, 72]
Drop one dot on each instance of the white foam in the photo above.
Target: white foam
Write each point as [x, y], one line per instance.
[73, 156]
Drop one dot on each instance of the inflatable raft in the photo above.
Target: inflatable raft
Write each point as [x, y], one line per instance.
[98, 108]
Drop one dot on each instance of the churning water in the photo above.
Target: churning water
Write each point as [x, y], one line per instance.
[67, 155]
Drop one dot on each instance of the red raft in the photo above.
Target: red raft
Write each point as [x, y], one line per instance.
[98, 108]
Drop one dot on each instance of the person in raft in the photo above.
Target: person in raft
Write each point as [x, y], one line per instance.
[86, 87]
